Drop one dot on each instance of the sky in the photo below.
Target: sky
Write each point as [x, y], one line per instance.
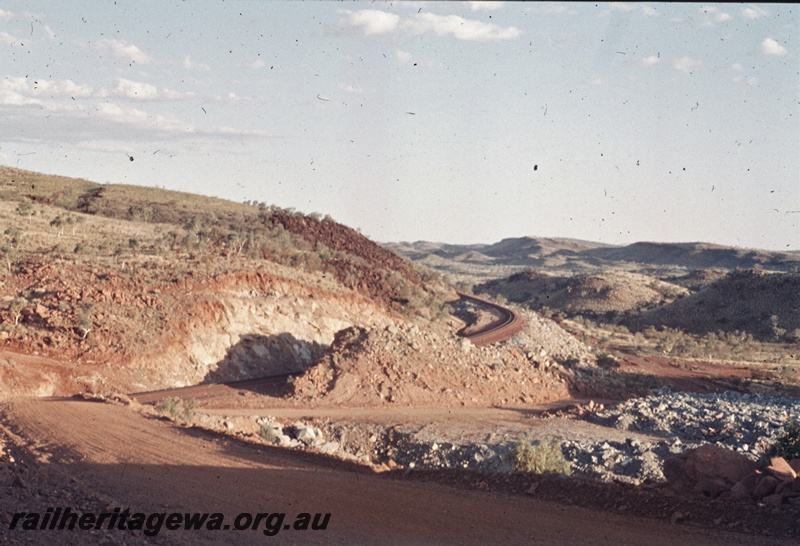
[458, 122]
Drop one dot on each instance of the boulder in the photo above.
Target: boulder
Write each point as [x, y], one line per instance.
[749, 482]
[779, 468]
[329, 447]
[306, 434]
[773, 501]
[766, 486]
[740, 491]
[707, 469]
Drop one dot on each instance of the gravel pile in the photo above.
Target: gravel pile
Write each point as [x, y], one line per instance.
[410, 452]
[747, 423]
[737, 421]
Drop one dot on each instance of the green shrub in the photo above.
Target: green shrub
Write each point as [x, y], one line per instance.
[788, 445]
[178, 408]
[268, 434]
[539, 458]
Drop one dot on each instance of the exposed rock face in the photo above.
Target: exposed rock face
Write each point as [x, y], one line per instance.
[264, 327]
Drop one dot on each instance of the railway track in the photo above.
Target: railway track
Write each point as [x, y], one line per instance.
[507, 327]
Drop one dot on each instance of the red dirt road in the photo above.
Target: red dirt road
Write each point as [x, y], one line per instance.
[151, 465]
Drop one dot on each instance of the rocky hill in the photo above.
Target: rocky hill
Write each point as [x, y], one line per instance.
[575, 255]
[511, 251]
[145, 288]
[766, 305]
[584, 294]
[112, 287]
[696, 256]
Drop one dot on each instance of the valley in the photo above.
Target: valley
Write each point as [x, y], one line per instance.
[171, 352]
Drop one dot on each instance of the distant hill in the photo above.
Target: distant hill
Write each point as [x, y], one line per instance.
[577, 255]
[584, 294]
[519, 250]
[696, 256]
[766, 305]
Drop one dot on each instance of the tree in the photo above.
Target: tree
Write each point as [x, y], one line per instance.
[14, 235]
[25, 208]
[16, 307]
[58, 223]
[140, 212]
[84, 320]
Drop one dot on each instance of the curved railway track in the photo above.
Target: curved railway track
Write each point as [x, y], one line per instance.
[505, 328]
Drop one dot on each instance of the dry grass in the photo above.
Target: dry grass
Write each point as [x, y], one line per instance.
[777, 362]
[539, 458]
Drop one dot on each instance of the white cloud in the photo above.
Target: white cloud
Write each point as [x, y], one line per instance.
[49, 32]
[752, 81]
[650, 60]
[380, 22]
[19, 91]
[717, 15]
[737, 67]
[134, 90]
[6, 38]
[233, 131]
[650, 11]
[621, 6]
[258, 63]
[403, 56]
[5, 15]
[458, 27]
[137, 118]
[123, 51]
[232, 97]
[754, 12]
[488, 6]
[771, 46]
[685, 64]
[64, 88]
[551, 9]
[350, 88]
[16, 92]
[372, 21]
[188, 64]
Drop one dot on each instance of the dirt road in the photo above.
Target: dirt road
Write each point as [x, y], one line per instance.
[151, 465]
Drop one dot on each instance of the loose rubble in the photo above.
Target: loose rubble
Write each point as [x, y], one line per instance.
[745, 424]
[720, 473]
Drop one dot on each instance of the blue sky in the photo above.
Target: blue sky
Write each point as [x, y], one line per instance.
[425, 120]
